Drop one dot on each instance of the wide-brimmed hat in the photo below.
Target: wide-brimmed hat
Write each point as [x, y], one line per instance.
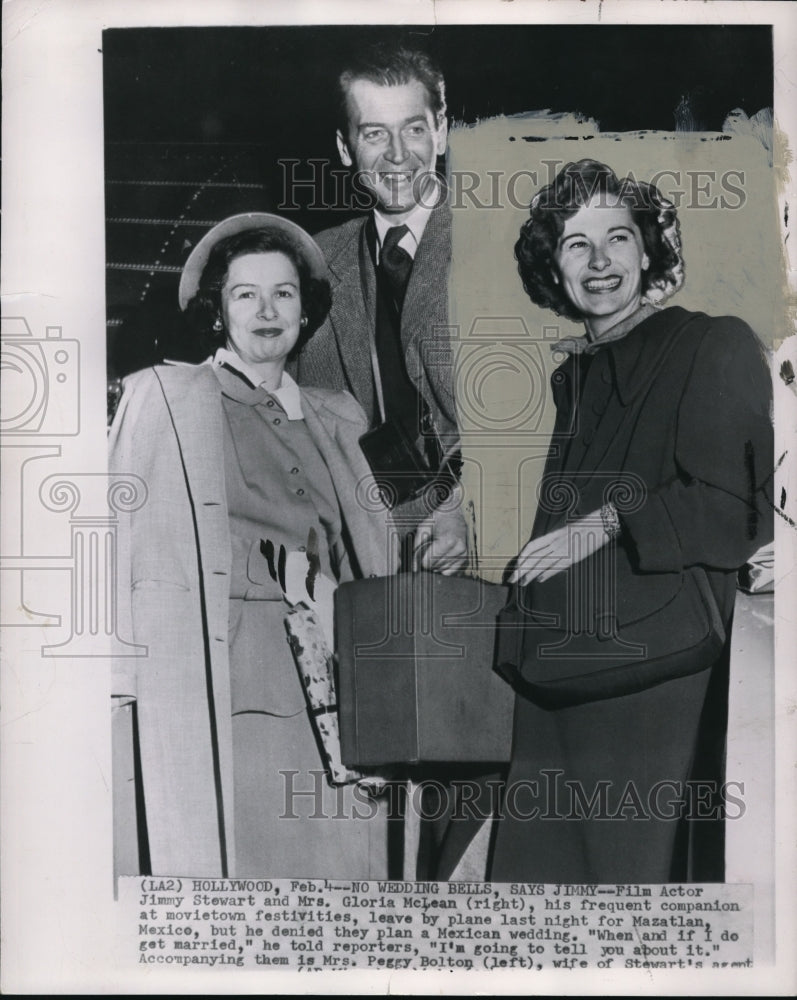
[305, 246]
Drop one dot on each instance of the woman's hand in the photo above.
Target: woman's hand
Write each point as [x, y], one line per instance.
[544, 557]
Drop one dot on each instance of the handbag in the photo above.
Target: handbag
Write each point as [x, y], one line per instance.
[395, 462]
[557, 667]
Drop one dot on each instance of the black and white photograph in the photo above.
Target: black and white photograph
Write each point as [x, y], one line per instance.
[398, 498]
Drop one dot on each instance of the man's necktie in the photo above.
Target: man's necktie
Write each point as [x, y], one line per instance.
[403, 402]
[396, 263]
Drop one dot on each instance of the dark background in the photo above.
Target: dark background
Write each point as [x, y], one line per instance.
[196, 120]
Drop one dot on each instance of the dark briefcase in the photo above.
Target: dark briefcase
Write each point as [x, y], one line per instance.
[416, 681]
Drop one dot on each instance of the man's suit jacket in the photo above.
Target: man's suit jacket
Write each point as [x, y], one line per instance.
[174, 559]
[337, 356]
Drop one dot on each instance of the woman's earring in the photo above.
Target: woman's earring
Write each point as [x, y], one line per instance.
[645, 262]
[218, 326]
[304, 321]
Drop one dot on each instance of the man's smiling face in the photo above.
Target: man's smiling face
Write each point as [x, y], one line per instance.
[393, 142]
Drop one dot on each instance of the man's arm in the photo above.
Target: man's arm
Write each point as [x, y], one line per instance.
[441, 540]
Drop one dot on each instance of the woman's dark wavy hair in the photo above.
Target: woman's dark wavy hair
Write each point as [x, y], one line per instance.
[573, 187]
[203, 309]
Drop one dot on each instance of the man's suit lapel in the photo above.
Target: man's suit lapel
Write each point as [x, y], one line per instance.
[427, 290]
[336, 436]
[353, 310]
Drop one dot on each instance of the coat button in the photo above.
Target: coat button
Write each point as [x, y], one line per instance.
[606, 376]
[269, 402]
[598, 407]
[294, 470]
[587, 440]
[300, 493]
[277, 420]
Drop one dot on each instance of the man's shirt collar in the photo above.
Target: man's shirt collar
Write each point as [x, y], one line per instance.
[415, 223]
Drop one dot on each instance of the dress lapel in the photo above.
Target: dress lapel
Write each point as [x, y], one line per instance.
[563, 389]
[634, 361]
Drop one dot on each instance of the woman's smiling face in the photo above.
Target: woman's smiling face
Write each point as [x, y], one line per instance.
[261, 307]
[599, 259]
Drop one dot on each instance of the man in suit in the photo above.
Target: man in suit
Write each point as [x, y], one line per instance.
[386, 339]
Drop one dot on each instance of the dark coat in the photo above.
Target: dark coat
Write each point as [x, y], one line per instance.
[677, 412]
[337, 356]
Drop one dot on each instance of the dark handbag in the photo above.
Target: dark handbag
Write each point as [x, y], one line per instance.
[416, 681]
[556, 667]
[396, 464]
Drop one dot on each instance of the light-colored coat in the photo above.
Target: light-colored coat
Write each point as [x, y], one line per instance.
[174, 573]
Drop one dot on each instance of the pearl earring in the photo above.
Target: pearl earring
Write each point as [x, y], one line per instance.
[218, 326]
[304, 321]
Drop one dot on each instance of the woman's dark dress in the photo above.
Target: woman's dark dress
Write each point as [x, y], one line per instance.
[681, 402]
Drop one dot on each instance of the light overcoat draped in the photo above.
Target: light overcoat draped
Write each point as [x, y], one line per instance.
[174, 559]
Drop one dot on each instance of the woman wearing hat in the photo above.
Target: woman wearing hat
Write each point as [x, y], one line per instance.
[251, 507]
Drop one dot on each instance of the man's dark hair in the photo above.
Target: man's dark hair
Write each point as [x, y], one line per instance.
[390, 65]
